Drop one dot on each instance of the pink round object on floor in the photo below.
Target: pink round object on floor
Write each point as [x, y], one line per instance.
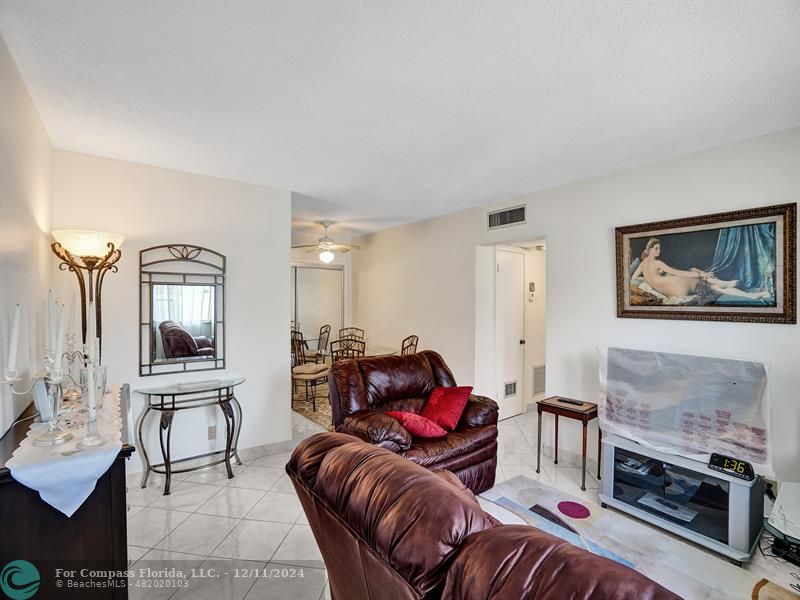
[573, 510]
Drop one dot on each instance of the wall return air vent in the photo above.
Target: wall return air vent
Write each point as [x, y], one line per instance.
[507, 217]
[539, 374]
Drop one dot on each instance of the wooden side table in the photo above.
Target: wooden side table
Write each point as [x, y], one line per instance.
[583, 412]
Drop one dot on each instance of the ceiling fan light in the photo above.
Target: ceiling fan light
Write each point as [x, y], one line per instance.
[326, 256]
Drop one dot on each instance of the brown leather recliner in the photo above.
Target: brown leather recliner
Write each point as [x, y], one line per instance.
[179, 343]
[362, 390]
[390, 529]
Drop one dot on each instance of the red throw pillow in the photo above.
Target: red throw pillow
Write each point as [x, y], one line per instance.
[417, 425]
[445, 405]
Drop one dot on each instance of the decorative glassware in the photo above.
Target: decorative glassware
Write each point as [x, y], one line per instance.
[54, 434]
[101, 374]
[92, 437]
[75, 361]
[10, 375]
[99, 383]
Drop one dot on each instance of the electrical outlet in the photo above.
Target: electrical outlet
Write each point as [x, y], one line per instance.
[212, 432]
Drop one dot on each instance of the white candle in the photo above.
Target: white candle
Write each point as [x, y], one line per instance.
[91, 390]
[72, 306]
[91, 336]
[60, 338]
[46, 326]
[14, 341]
[51, 321]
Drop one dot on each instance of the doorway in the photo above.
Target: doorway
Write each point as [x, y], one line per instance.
[510, 293]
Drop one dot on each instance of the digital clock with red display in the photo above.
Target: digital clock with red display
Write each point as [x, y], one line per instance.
[732, 466]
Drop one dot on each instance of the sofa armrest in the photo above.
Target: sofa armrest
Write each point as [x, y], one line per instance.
[203, 341]
[479, 411]
[377, 428]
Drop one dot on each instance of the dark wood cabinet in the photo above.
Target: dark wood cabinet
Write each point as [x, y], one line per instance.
[94, 538]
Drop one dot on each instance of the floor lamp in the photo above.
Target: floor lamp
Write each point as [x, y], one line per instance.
[90, 255]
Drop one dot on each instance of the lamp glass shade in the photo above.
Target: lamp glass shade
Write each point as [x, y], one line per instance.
[326, 256]
[79, 242]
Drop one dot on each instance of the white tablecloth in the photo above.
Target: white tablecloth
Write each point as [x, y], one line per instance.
[63, 475]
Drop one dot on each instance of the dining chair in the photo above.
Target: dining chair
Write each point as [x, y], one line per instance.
[319, 354]
[347, 348]
[322, 341]
[347, 343]
[409, 345]
[299, 349]
[351, 332]
[309, 372]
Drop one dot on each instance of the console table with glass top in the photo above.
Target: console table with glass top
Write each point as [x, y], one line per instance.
[169, 400]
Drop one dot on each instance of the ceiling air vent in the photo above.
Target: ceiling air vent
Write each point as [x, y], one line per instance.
[507, 217]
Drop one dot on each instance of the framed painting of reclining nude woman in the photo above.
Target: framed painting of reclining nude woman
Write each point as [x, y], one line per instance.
[734, 266]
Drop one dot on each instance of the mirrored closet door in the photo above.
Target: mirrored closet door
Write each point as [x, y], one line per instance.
[317, 298]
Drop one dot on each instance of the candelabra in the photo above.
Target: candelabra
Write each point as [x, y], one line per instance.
[48, 406]
[48, 394]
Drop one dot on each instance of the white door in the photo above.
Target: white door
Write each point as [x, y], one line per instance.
[509, 331]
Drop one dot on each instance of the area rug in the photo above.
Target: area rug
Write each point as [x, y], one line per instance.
[323, 415]
[682, 567]
[564, 516]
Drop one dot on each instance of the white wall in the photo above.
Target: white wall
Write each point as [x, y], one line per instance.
[421, 277]
[25, 258]
[249, 224]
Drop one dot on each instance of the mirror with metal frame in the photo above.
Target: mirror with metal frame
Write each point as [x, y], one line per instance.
[182, 309]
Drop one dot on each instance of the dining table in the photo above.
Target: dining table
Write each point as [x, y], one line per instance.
[380, 351]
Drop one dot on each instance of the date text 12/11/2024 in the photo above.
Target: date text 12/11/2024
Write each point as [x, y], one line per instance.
[265, 573]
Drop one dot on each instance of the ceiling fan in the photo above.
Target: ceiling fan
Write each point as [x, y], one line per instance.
[326, 246]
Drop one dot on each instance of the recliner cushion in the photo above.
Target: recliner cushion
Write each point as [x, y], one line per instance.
[427, 452]
[396, 377]
[177, 341]
[525, 563]
[413, 519]
[445, 405]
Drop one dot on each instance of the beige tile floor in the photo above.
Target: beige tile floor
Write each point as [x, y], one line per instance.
[247, 538]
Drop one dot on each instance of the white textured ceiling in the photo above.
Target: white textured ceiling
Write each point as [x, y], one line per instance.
[382, 113]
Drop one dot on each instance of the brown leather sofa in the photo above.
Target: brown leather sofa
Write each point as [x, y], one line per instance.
[361, 390]
[390, 529]
[179, 343]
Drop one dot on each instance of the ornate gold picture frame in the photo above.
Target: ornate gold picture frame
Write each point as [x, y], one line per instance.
[733, 266]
